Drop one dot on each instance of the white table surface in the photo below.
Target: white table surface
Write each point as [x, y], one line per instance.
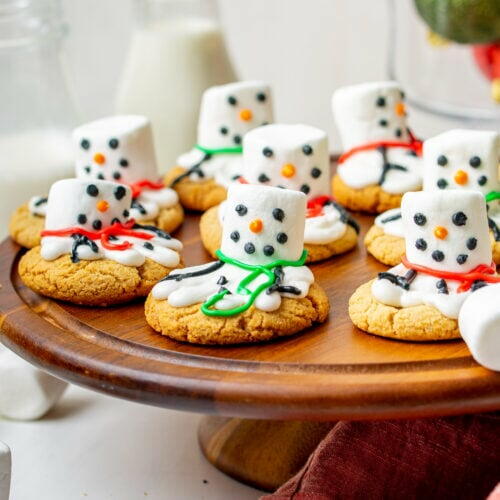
[97, 447]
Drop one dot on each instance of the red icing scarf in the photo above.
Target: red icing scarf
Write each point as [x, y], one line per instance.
[483, 272]
[139, 186]
[414, 145]
[116, 229]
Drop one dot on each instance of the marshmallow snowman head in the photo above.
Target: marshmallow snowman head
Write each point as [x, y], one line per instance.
[116, 148]
[87, 204]
[229, 111]
[370, 112]
[462, 159]
[446, 230]
[263, 224]
[289, 156]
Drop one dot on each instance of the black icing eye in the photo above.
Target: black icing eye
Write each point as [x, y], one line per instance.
[100, 177]
[462, 258]
[442, 161]
[305, 188]
[421, 244]
[475, 162]
[120, 192]
[482, 180]
[471, 243]
[380, 102]
[241, 209]
[261, 97]
[123, 162]
[92, 190]
[437, 255]
[117, 175]
[82, 219]
[398, 132]
[97, 224]
[85, 144]
[115, 220]
[383, 122]
[126, 213]
[282, 238]
[87, 169]
[263, 178]
[235, 236]
[148, 245]
[420, 219]
[315, 172]
[249, 248]
[268, 250]
[459, 219]
[442, 183]
[278, 214]
[232, 100]
[237, 139]
[223, 130]
[267, 152]
[113, 143]
[307, 150]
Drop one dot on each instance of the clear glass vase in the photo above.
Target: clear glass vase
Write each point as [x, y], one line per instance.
[37, 112]
[442, 76]
[177, 51]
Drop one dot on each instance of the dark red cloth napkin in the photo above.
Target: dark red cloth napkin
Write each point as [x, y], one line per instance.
[444, 458]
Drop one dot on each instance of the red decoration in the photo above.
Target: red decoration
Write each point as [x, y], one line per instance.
[139, 186]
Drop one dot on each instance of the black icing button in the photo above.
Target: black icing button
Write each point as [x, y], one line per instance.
[315, 172]
[235, 236]
[475, 162]
[82, 219]
[380, 102]
[126, 213]
[124, 162]
[442, 161]
[462, 258]
[261, 97]
[120, 192]
[249, 248]
[87, 169]
[97, 224]
[437, 255]
[282, 238]
[383, 122]
[100, 176]
[471, 243]
[267, 152]
[232, 100]
[482, 180]
[421, 244]
[268, 250]
[237, 139]
[398, 132]
[85, 144]
[92, 190]
[307, 150]
[305, 188]
[278, 214]
[113, 143]
[442, 183]
[420, 219]
[459, 219]
[117, 175]
[224, 130]
[263, 178]
[241, 209]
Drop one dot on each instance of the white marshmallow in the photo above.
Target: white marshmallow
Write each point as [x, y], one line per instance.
[116, 148]
[468, 156]
[229, 111]
[89, 204]
[263, 224]
[5, 471]
[26, 393]
[479, 323]
[369, 112]
[291, 156]
[459, 217]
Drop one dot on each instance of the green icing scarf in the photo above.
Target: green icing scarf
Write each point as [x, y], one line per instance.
[220, 151]
[492, 196]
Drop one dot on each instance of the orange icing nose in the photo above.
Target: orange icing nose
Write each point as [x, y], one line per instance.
[461, 177]
[288, 170]
[256, 226]
[246, 115]
[440, 232]
[400, 109]
[102, 205]
[99, 158]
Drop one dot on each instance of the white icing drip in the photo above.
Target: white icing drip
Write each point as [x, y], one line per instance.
[194, 290]
[152, 201]
[37, 206]
[422, 290]
[165, 251]
[221, 167]
[365, 168]
[392, 227]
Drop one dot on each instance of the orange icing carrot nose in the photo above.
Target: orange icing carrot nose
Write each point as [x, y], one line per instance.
[461, 177]
[288, 170]
[256, 226]
[99, 158]
[246, 115]
[440, 232]
[400, 109]
[102, 205]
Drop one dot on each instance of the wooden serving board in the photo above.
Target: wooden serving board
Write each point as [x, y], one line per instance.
[333, 371]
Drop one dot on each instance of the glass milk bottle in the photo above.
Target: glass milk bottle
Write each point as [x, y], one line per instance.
[177, 51]
[36, 112]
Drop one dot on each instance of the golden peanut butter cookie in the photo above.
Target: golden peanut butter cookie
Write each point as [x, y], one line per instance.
[211, 235]
[386, 248]
[25, 227]
[189, 324]
[418, 323]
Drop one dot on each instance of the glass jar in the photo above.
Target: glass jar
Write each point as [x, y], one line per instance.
[37, 113]
[177, 51]
[442, 73]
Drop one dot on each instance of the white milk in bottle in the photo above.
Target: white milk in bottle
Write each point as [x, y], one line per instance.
[176, 52]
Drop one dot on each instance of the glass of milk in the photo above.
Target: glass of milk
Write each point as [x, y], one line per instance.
[36, 111]
[177, 51]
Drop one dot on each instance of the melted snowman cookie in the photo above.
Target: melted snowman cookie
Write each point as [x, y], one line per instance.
[260, 273]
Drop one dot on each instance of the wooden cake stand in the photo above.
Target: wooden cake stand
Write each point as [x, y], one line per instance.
[285, 394]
